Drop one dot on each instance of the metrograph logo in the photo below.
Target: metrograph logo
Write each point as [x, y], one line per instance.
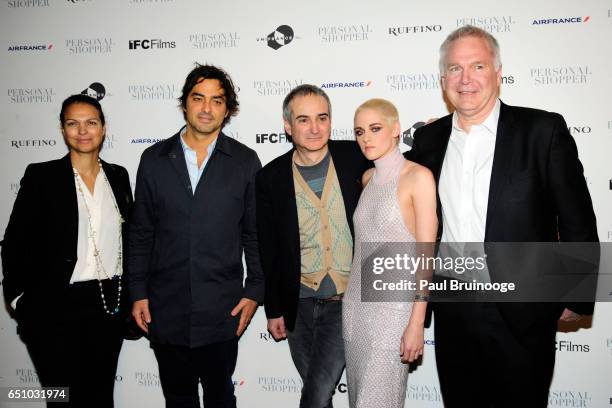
[281, 36]
[408, 135]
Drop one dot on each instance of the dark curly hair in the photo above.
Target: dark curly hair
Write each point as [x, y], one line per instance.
[202, 72]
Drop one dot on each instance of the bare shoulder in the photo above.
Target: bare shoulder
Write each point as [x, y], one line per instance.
[367, 175]
[416, 174]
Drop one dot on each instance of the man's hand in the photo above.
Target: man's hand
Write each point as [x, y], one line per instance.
[277, 328]
[568, 316]
[141, 314]
[246, 308]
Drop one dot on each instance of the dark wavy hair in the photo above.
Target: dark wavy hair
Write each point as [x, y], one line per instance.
[202, 72]
[80, 98]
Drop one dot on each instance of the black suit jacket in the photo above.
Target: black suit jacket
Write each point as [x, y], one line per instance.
[537, 191]
[278, 228]
[39, 249]
[186, 249]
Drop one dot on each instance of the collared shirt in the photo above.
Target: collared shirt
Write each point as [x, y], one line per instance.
[465, 179]
[191, 159]
[106, 225]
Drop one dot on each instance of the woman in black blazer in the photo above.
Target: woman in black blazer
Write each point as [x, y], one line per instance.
[63, 261]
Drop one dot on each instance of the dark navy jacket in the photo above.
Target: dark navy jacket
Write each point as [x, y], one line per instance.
[186, 249]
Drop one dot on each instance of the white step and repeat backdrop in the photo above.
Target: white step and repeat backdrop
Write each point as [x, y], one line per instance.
[135, 54]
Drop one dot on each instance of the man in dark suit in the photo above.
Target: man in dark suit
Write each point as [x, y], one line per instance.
[194, 215]
[504, 174]
[305, 204]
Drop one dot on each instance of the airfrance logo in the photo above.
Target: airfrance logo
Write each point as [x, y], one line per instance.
[414, 29]
[344, 33]
[346, 85]
[145, 141]
[31, 47]
[280, 37]
[564, 20]
[152, 44]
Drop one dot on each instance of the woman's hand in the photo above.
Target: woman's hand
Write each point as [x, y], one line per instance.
[411, 344]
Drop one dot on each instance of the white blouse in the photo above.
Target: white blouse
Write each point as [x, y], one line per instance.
[106, 227]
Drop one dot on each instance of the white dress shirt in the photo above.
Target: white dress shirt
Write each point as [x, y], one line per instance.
[105, 222]
[465, 179]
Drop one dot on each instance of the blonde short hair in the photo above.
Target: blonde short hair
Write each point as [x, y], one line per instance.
[386, 108]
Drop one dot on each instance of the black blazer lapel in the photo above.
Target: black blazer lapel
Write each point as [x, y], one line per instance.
[348, 182]
[502, 157]
[442, 138]
[285, 191]
[122, 197]
[174, 151]
[69, 206]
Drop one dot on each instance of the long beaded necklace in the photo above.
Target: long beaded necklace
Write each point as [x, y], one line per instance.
[100, 269]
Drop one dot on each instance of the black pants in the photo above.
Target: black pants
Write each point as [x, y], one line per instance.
[482, 363]
[78, 348]
[181, 369]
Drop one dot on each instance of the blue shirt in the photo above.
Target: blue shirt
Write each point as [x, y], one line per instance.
[191, 159]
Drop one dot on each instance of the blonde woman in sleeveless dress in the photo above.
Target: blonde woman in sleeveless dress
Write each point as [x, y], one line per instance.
[398, 204]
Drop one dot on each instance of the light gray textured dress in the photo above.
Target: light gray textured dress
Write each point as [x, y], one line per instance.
[372, 330]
